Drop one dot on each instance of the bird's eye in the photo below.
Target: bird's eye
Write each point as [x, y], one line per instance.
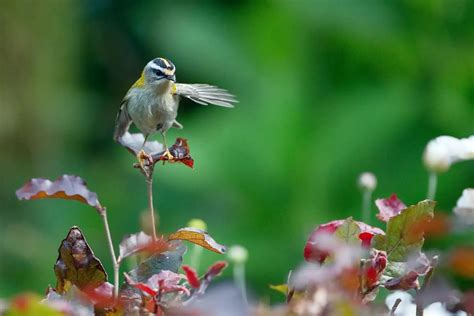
[158, 73]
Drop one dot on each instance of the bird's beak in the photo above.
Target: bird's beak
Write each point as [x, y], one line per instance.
[172, 78]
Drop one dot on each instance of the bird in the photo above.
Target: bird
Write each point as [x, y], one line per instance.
[152, 101]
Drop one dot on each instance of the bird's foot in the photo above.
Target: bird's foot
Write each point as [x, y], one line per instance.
[167, 154]
[144, 159]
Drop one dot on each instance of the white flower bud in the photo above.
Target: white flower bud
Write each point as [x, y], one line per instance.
[367, 181]
[237, 254]
[465, 206]
[443, 151]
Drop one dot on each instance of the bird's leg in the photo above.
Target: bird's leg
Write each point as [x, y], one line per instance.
[166, 153]
[142, 155]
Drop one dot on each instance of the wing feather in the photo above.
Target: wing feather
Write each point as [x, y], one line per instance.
[206, 94]
[123, 121]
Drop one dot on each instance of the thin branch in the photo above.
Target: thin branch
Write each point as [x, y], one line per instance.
[149, 186]
[394, 307]
[103, 214]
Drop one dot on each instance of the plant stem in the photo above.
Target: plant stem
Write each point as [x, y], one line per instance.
[103, 213]
[394, 307]
[196, 257]
[366, 201]
[239, 279]
[149, 185]
[432, 184]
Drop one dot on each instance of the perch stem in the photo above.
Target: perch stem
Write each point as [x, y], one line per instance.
[103, 213]
[432, 184]
[149, 185]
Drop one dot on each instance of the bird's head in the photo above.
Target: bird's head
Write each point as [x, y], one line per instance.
[159, 71]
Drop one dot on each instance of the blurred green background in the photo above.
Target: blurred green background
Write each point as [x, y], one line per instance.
[327, 89]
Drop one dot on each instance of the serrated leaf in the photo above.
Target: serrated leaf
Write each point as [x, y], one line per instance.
[77, 265]
[404, 233]
[349, 231]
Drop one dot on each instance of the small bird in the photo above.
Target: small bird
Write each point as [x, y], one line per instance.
[152, 101]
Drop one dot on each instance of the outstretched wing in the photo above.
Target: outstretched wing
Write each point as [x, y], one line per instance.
[123, 121]
[206, 94]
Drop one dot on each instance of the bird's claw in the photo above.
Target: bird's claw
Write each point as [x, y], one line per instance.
[144, 159]
[167, 154]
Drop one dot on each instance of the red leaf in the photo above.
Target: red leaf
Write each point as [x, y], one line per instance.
[191, 276]
[215, 269]
[67, 187]
[141, 286]
[389, 207]
[312, 252]
[179, 152]
[372, 270]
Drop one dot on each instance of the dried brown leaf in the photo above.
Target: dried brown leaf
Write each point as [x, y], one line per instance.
[199, 237]
[77, 265]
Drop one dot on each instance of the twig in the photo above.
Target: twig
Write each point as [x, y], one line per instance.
[103, 214]
[432, 184]
[149, 185]
[394, 307]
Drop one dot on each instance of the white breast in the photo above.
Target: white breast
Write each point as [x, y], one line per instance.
[151, 111]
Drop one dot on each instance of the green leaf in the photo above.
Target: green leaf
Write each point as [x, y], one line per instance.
[77, 265]
[349, 231]
[405, 231]
[30, 305]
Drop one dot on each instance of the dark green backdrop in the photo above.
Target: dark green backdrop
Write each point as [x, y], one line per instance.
[327, 89]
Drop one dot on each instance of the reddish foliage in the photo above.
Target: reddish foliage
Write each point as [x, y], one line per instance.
[179, 152]
[406, 282]
[216, 269]
[191, 276]
[389, 207]
[67, 187]
[142, 243]
[373, 269]
[314, 253]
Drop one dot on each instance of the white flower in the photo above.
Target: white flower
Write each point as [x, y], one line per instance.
[408, 308]
[238, 254]
[465, 206]
[367, 181]
[443, 151]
